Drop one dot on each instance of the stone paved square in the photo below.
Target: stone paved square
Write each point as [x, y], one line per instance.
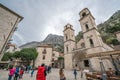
[54, 75]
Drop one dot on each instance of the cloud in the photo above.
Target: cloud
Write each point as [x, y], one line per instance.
[42, 17]
[18, 38]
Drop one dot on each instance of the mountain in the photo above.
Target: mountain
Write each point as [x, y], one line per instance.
[29, 45]
[109, 27]
[114, 19]
[51, 39]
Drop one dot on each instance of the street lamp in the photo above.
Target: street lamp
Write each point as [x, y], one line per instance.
[104, 75]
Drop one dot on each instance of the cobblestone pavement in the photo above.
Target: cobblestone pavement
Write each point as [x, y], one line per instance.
[54, 75]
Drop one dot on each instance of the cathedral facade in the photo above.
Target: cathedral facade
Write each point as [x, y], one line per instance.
[74, 53]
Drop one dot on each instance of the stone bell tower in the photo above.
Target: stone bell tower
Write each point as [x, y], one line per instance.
[90, 33]
[69, 45]
[92, 39]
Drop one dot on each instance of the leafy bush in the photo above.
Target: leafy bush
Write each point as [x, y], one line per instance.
[79, 36]
[113, 41]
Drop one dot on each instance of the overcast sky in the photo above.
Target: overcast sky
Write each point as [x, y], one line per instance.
[42, 17]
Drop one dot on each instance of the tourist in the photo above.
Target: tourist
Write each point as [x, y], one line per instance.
[61, 73]
[75, 73]
[82, 73]
[11, 72]
[41, 73]
[32, 72]
[16, 73]
[110, 72]
[21, 72]
[49, 69]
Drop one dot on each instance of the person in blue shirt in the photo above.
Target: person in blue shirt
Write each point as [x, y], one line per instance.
[32, 72]
[16, 73]
[75, 73]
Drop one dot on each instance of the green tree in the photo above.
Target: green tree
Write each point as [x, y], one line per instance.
[113, 29]
[60, 48]
[113, 41]
[17, 54]
[61, 61]
[60, 58]
[28, 54]
[7, 56]
[79, 36]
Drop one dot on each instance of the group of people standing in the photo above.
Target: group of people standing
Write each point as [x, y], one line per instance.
[42, 72]
[15, 72]
[18, 71]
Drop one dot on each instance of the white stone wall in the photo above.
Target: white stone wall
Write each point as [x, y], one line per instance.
[79, 43]
[8, 21]
[11, 49]
[94, 35]
[48, 56]
[68, 61]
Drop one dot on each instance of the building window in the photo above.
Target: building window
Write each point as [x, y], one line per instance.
[84, 14]
[66, 37]
[86, 63]
[43, 57]
[44, 51]
[86, 26]
[83, 45]
[67, 48]
[53, 54]
[53, 59]
[91, 43]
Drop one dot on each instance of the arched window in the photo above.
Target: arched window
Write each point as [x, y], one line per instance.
[86, 26]
[83, 45]
[43, 57]
[91, 43]
[44, 51]
[84, 14]
[67, 48]
[86, 63]
[53, 54]
[66, 37]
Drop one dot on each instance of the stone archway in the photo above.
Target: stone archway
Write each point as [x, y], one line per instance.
[78, 57]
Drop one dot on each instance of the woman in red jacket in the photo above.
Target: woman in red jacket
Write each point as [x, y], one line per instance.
[41, 74]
